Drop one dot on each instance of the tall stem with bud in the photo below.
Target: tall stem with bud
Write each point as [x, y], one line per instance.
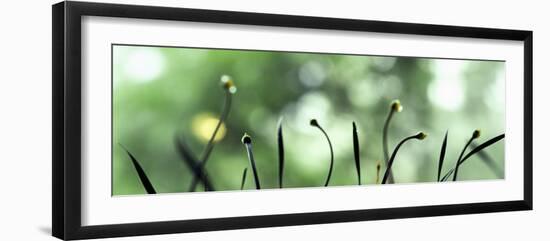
[247, 141]
[314, 123]
[395, 107]
[475, 135]
[229, 89]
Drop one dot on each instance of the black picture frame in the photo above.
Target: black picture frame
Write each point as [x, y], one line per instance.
[66, 153]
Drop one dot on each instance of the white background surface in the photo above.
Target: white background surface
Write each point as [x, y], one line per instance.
[25, 123]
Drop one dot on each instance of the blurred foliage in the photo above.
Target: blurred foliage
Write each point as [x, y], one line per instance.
[161, 92]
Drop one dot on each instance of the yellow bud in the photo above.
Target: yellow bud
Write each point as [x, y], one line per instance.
[396, 106]
[421, 136]
[228, 84]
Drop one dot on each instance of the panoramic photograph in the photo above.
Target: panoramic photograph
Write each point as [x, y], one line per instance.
[187, 119]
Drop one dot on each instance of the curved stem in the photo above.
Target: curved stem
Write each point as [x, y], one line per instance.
[455, 175]
[418, 136]
[210, 145]
[314, 123]
[385, 143]
[225, 112]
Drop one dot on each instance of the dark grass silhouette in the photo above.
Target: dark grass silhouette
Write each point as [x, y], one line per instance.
[200, 175]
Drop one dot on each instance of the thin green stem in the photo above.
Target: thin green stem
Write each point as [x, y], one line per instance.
[419, 136]
[458, 162]
[247, 141]
[394, 107]
[314, 123]
[230, 89]
[385, 143]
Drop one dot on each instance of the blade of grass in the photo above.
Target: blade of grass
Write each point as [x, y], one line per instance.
[281, 151]
[243, 179]
[475, 150]
[314, 123]
[193, 164]
[141, 173]
[356, 153]
[378, 165]
[442, 156]
[475, 135]
[483, 146]
[490, 162]
[419, 136]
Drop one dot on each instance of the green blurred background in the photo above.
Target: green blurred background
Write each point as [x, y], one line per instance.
[160, 92]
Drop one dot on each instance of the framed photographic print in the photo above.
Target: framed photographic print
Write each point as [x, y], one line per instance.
[169, 120]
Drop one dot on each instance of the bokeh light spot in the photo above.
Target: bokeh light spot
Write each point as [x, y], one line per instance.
[144, 64]
[447, 90]
[312, 74]
[203, 126]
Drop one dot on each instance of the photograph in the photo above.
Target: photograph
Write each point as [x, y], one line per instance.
[193, 119]
[166, 118]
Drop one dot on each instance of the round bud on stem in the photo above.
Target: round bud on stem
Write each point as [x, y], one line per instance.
[476, 134]
[227, 83]
[246, 139]
[396, 106]
[421, 136]
[313, 122]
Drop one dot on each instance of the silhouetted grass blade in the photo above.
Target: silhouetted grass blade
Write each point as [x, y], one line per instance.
[482, 146]
[490, 162]
[142, 176]
[243, 179]
[356, 153]
[378, 165]
[419, 136]
[281, 152]
[194, 165]
[314, 123]
[442, 156]
[474, 151]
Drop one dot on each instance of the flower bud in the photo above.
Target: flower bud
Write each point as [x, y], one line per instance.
[227, 83]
